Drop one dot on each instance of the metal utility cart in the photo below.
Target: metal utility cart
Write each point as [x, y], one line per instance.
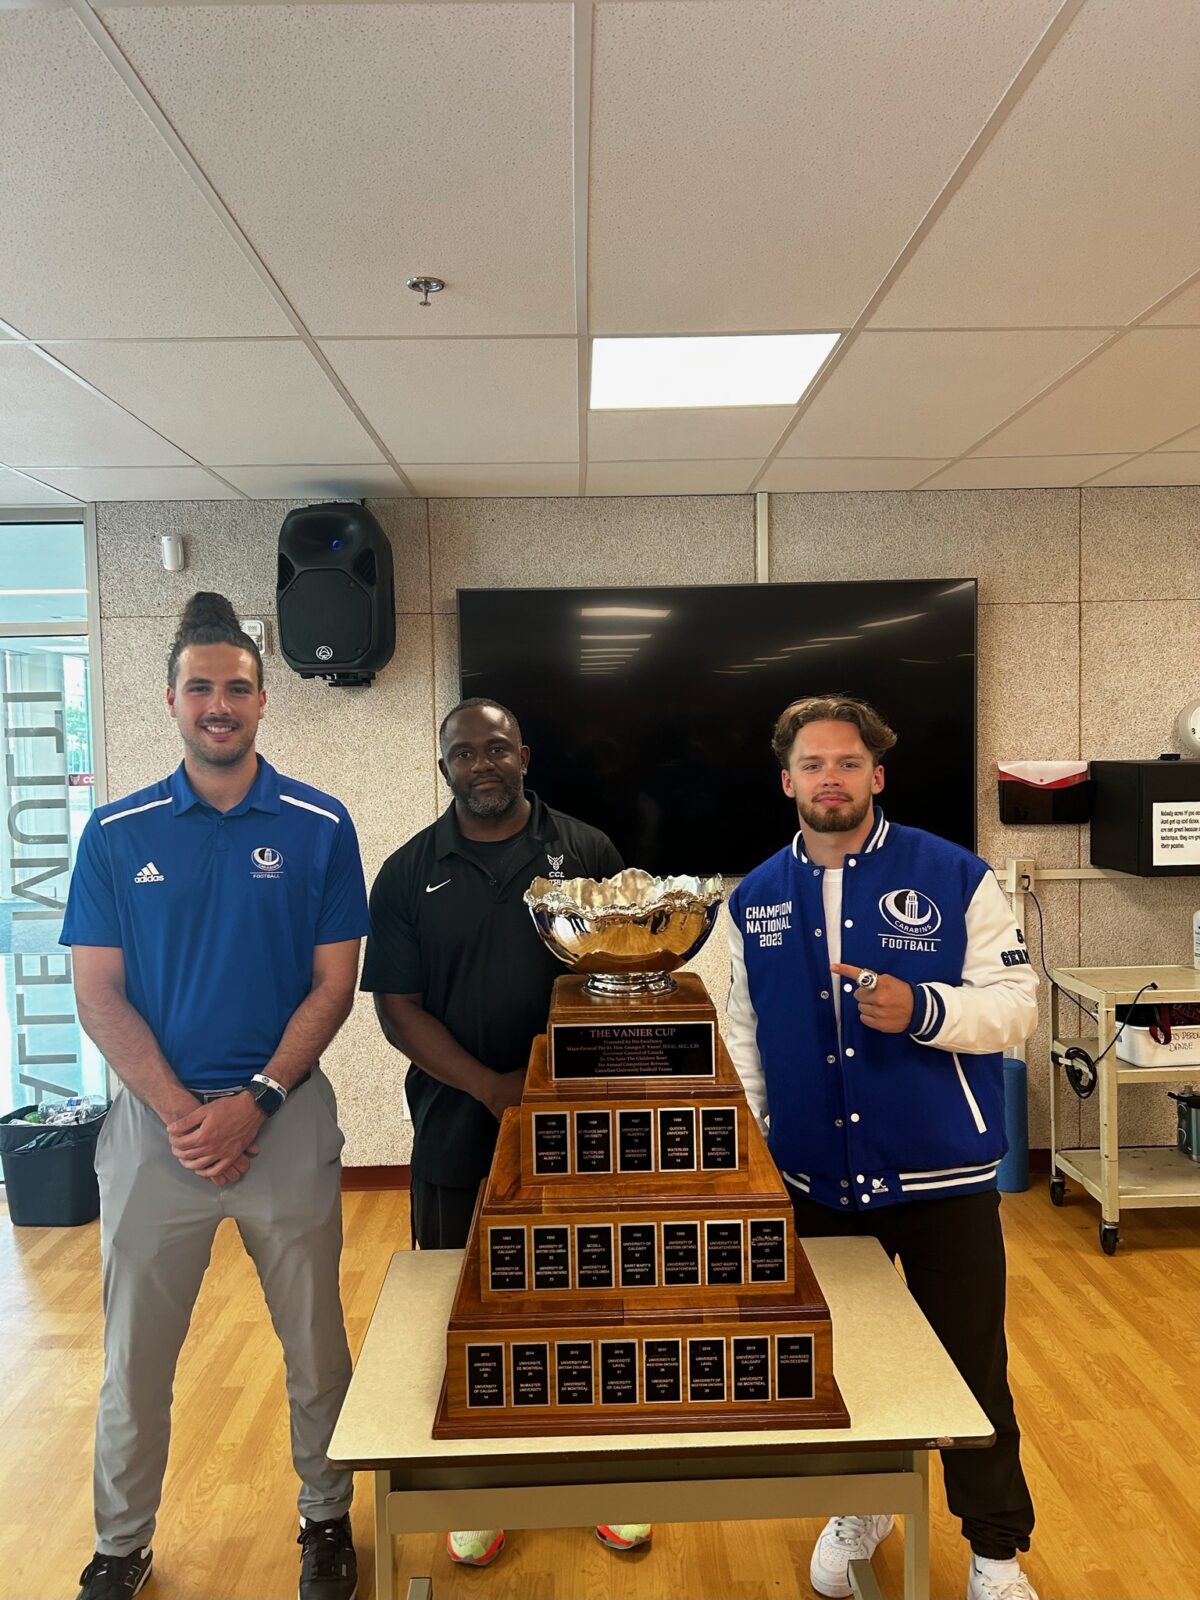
[1116, 1177]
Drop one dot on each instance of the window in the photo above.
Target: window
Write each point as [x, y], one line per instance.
[48, 786]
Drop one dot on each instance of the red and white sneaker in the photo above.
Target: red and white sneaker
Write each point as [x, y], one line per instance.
[475, 1547]
[624, 1536]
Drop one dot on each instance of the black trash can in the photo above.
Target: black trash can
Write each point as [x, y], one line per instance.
[50, 1172]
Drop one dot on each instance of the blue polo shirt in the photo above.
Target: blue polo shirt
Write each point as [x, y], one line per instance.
[217, 913]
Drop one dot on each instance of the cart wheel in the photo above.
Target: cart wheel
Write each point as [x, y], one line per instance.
[1058, 1190]
[1108, 1238]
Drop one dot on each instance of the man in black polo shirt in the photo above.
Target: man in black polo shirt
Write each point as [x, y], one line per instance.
[462, 981]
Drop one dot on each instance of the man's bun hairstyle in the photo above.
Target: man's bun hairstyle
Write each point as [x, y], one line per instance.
[210, 619]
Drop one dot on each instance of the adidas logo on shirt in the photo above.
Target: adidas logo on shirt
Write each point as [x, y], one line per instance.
[149, 874]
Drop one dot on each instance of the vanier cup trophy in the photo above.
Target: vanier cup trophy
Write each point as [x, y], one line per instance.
[632, 1264]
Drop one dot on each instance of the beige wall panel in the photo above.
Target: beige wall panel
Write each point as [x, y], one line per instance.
[563, 543]
[1022, 544]
[1028, 711]
[1160, 469]
[1139, 663]
[1140, 544]
[231, 547]
[369, 1078]
[445, 682]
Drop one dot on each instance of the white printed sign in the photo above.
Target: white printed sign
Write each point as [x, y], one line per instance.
[1176, 833]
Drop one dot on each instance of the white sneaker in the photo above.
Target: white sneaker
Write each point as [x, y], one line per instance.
[1013, 1585]
[847, 1539]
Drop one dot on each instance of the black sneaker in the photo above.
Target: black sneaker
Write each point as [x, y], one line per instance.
[328, 1565]
[115, 1577]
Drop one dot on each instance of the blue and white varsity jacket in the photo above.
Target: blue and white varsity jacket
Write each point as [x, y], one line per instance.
[856, 1117]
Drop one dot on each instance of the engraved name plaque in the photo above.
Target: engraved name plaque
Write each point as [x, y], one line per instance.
[531, 1374]
[552, 1258]
[593, 1141]
[551, 1153]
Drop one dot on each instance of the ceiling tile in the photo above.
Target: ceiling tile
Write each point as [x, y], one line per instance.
[47, 419]
[102, 232]
[830, 475]
[1136, 395]
[1186, 441]
[1020, 472]
[1160, 468]
[252, 401]
[736, 433]
[1083, 208]
[759, 166]
[360, 145]
[930, 394]
[346, 482]
[465, 400]
[18, 491]
[671, 477]
[1183, 311]
[138, 483]
[496, 478]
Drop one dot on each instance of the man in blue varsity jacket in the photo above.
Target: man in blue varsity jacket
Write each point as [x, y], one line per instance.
[877, 976]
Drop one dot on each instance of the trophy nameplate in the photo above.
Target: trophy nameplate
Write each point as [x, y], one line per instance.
[573, 1369]
[681, 1255]
[663, 1372]
[793, 1366]
[485, 1375]
[594, 1256]
[706, 1370]
[718, 1139]
[677, 1138]
[506, 1258]
[768, 1249]
[751, 1368]
[595, 1037]
[635, 1140]
[618, 1372]
[551, 1258]
[593, 1141]
[531, 1374]
[638, 1250]
[551, 1147]
[723, 1253]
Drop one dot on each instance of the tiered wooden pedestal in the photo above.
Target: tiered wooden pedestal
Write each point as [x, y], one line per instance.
[632, 1258]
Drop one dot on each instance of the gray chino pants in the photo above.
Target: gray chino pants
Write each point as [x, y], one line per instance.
[157, 1223]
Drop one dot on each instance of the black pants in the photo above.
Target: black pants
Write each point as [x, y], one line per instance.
[441, 1218]
[952, 1252]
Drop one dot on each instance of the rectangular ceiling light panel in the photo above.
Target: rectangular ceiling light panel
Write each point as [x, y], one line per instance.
[686, 373]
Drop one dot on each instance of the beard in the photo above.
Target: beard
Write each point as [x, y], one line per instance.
[491, 805]
[834, 819]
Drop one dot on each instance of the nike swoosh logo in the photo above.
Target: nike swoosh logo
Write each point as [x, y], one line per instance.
[432, 888]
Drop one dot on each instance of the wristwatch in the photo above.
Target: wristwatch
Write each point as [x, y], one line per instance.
[268, 1095]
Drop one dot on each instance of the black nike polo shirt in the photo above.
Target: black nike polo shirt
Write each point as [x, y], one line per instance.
[443, 927]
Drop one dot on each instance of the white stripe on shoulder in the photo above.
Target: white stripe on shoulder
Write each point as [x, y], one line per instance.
[306, 805]
[796, 850]
[133, 811]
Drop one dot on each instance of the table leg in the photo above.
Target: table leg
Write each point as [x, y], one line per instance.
[862, 1581]
[916, 1535]
[385, 1554]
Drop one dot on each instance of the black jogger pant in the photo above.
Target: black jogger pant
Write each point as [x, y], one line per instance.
[952, 1252]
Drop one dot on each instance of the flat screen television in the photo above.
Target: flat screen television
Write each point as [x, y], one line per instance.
[649, 711]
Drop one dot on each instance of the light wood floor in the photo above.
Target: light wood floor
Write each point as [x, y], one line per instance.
[1105, 1365]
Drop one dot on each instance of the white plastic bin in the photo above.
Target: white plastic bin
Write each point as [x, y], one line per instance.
[1137, 1049]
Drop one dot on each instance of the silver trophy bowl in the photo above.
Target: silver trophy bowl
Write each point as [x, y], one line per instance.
[628, 932]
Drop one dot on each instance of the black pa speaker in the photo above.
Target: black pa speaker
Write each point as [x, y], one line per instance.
[334, 602]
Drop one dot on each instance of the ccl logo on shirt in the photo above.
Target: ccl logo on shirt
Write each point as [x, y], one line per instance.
[913, 917]
[267, 862]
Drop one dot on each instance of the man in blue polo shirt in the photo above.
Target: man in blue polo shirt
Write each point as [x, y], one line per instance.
[215, 921]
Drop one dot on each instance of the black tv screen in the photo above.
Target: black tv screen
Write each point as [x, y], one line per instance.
[649, 711]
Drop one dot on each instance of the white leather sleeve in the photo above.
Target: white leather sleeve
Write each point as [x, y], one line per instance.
[741, 1030]
[995, 1005]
